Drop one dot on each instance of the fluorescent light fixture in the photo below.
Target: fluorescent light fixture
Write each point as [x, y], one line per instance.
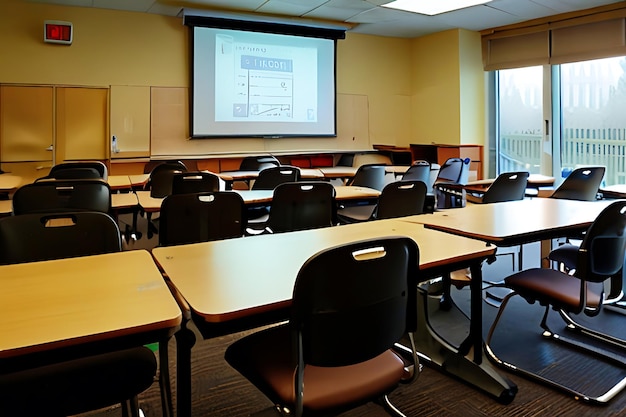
[432, 7]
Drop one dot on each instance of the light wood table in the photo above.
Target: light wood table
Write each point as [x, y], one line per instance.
[81, 304]
[225, 293]
[119, 182]
[515, 223]
[9, 183]
[349, 172]
[6, 207]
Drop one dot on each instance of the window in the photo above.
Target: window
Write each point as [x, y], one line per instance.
[588, 102]
[520, 119]
[593, 126]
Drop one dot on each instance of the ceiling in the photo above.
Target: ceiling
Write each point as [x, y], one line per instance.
[363, 16]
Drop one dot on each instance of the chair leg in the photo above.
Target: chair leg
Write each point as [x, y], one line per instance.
[389, 407]
[603, 337]
[600, 399]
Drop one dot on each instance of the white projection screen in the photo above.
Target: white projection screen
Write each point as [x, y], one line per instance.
[267, 80]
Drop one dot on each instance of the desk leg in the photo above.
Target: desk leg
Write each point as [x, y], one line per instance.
[185, 339]
[465, 362]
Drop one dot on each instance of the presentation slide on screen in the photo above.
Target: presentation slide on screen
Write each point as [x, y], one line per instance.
[258, 84]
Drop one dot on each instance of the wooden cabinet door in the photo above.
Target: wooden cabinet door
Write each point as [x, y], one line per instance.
[81, 123]
[26, 123]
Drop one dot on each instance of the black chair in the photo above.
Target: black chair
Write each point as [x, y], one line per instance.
[78, 170]
[83, 383]
[369, 175]
[600, 258]
[454, 170]
[361, 291]
[508, 186]
[401, 198]
[149, 167]
[162, 177]
[41, 236]
[201, 217]
[62, 195]
[299, 206]
[270, 178]
[581, 184]
[258, 163]
[398, 199]
[194, 182]
[419, 171]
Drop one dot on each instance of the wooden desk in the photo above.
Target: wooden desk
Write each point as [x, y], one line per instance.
[349, 172]
[225, 294]
[614, 191]
[6, 207]
[78, 304]
[252, 197]
[513, 223]
[305, 173]
[9, 183]
[342, 193]
[534, 181]
[119, 182]
[138, 181]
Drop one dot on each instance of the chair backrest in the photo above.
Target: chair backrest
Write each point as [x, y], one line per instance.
[258, 163]
[194, 182]
[455, 170]
[371, 176]
[581, 184]
[201, 217]
[508, 186]
[62, 196]
[302, 205]
[149, 167]
[162, 177]
[601, 253]
[37, 237]
[79, 169]
[270, 178]
[401, 198]
[364, 288]
[419, 171]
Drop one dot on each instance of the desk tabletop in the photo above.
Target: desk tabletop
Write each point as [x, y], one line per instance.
[59, 303]
[504, 223]
[9, 182]
[6, 207]
[124, 200]
[345, 171]
[306, 173]
[219, 286]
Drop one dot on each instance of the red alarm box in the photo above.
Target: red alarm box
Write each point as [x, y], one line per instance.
[55, 31]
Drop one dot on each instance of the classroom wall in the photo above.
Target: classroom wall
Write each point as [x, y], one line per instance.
[390, 90]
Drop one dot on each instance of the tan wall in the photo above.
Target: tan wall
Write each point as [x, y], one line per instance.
[391, 90]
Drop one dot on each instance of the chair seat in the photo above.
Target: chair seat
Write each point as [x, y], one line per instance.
[553, 287]
[266, 356]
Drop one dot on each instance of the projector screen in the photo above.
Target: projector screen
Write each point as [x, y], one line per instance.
[257, 84]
